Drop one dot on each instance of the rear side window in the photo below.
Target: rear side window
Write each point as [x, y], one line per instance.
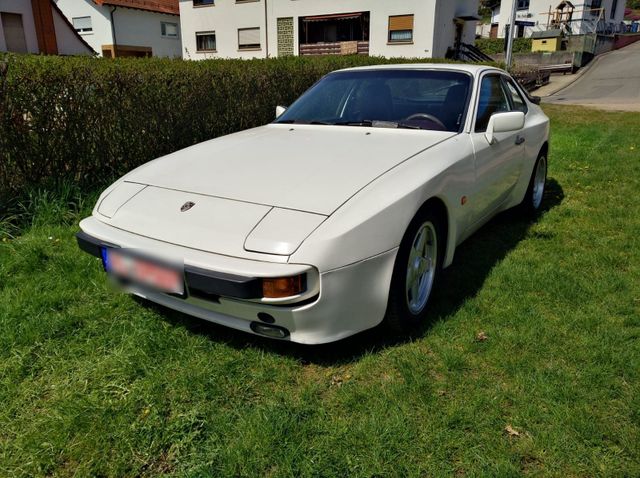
[517, 102]
[492, 100]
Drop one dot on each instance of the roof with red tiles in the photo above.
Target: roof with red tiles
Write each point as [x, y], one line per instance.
[159, 6]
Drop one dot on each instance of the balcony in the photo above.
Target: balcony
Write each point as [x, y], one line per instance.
[335, 48]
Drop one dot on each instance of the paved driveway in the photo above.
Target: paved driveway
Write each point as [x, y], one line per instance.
[612, 83]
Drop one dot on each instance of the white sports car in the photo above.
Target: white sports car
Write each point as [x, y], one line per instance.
[338, 215]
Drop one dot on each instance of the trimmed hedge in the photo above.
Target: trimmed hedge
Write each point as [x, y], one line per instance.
[88, 121]
[493, 46]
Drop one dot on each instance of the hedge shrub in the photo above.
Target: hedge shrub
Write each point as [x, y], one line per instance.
[493, 46]
[87, 121]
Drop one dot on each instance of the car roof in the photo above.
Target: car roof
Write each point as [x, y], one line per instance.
[463, 67]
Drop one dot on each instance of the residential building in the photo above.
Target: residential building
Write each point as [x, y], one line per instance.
[269, 28]
[125, 28]
[38, 26]
[574, 18]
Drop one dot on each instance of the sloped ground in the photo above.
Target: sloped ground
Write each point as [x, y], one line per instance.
[611, 83]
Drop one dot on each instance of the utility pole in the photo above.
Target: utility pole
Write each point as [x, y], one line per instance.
[512, 26]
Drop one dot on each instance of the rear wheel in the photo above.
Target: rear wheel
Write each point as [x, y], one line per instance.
[416, 271]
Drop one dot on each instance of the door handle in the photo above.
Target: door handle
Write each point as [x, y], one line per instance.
[519, 140]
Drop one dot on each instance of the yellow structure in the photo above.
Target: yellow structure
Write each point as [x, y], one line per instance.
[551, 40]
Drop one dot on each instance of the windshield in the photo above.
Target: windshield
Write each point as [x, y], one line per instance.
[415, 99]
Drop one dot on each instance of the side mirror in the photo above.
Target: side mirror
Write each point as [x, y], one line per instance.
[535, 100]
[280, 110]
[504, 123]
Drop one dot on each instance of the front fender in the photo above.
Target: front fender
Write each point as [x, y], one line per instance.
[375, 219]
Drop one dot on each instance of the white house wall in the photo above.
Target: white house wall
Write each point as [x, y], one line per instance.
[380, 10]
[100, 22]
[446, 29]
[141, 28]
[132, 27]
[67, 39]
[22, 7]
[226, 16]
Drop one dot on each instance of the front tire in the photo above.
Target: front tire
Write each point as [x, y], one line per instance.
[416, 272]
[532, 201]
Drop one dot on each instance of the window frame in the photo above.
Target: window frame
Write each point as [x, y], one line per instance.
[81, 31]
[391, 41]
[526, 4]
[250, 46]
[505, 82]
[498, 75]
[215, 40]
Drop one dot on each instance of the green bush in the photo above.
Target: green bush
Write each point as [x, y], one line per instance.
[86, 121]
[493, 46]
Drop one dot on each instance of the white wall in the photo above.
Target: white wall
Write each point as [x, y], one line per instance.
[226, 16]
[445, 28]
[101, 34]
[380, 10]
[67, 39]
[22, 7]
[140, 28]
[483, 30]
[132, 27]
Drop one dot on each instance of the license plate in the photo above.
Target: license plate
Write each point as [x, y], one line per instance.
[143, 272]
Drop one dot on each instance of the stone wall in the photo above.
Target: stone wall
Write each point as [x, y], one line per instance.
[626, 39]
[538, 58]
[581, 49]
[285, 36]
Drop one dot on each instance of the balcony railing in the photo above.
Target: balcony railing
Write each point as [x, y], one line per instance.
[335, 48]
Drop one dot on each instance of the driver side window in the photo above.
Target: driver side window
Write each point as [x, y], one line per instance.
[492, 100]
[517, 102]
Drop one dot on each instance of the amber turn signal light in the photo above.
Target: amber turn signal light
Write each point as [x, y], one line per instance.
[281, 287]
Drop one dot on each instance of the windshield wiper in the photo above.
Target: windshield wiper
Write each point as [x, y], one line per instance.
[367, 123]
[379, 124]
[303, 122]
[355, 123]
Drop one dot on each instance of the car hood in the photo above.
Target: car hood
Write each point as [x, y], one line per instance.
[307, 168]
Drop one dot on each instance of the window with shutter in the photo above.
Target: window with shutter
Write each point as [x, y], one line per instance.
[248, 38]
[169, 30]
[82, 24]
[401, 29]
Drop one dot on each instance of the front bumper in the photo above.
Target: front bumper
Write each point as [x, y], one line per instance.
[199, 282]
[337, 303]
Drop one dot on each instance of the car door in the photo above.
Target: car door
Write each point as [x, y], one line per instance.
[518, 103]
[497, 165]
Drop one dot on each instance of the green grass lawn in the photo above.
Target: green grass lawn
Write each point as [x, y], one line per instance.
[530, 365]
